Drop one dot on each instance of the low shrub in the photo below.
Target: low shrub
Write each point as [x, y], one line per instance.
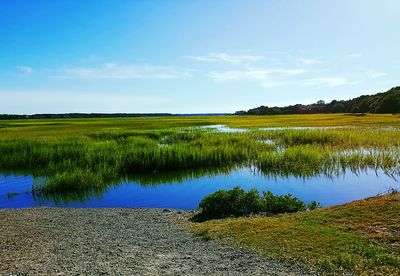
[313, 205]
[275, 204]
[237, 202]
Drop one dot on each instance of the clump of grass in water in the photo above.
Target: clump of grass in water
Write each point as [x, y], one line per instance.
[300, 161]
[69, 181]
[308, 160]
[72, 185]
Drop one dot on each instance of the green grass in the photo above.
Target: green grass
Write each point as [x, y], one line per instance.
[361, 237]
[86, 155]
[78, 126]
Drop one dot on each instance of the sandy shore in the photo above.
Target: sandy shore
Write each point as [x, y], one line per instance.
[51, 241]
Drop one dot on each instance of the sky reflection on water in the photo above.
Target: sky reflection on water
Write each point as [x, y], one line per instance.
[187, 192]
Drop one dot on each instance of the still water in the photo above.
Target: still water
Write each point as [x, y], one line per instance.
[158, 191]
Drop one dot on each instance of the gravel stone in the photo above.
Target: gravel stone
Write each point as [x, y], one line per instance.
[55, 241]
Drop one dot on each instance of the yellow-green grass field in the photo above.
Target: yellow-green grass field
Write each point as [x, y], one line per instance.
[362, 237]
[48, 127]
[86, 155]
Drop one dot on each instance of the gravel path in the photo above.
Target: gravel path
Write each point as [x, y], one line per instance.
[51, 241]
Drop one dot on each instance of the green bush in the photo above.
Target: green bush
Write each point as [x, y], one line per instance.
[237, 202]
[313, 205]
[282, 204]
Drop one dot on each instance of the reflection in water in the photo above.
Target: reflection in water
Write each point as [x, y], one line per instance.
[66, 197]
[226, 129]
[303, 128]
[156, 178]
[221, 128]
[185, 189]
[143, 179]
[370, 151]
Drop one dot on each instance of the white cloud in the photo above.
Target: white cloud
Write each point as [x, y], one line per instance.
[354, 55]
[125, 71]
[254, 74]
[377, 74]
[202, 58]
[239, 75]
[371, 72]
[25, 69]
[272, 84]
[327, 82]
[310, 61]
[225, 57]
[288, 72]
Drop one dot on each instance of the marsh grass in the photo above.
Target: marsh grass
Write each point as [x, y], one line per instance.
[89, 154]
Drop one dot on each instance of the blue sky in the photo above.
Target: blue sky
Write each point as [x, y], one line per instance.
[183, 56]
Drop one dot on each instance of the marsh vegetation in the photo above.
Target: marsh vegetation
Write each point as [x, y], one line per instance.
[73, 160]
[85, 156]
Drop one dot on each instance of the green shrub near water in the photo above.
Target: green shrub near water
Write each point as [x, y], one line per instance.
[237, 202]
[282, 204]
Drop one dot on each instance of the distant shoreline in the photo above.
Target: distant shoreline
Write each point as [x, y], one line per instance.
[101, 115]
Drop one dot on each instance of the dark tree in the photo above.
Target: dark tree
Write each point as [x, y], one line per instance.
[387, 102]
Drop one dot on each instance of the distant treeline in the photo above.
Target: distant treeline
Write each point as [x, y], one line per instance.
[78, 115]
[97, 115]
[387, 102]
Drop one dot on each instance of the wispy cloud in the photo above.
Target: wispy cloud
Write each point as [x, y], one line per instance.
[202, 58]
[377, 75]
[326, 82]
[125, 71]
[229, 58]
[254, 74]
[25, 69]
[310, 61]
[371, 72]
[239, 75]
[355, 55]
[273, 84]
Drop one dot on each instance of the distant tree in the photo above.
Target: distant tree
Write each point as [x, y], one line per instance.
[390, 103]
[387, 102]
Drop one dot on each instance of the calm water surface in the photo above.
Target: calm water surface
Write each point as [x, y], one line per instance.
[226, 129]
[187, 192]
